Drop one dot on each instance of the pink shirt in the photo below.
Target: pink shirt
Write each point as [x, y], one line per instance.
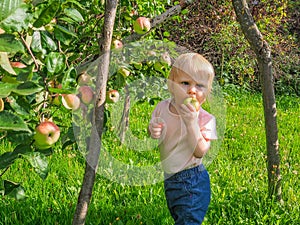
[175, 154]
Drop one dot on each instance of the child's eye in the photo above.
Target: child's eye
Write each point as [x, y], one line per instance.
[185, 83]
[200, 86]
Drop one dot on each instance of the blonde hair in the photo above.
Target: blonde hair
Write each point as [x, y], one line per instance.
[194, 65]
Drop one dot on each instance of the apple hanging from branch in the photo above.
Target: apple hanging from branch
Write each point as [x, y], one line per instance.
[86, 94]
[70, 101]
[142, 25]
[117, 44]
[112, 96]
[194, 102]
[1, 104]
[46, 134]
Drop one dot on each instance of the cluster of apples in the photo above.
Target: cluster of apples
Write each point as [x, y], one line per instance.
[140, 26]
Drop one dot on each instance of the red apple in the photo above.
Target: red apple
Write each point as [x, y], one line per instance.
[1, 104]
[86, 94]
[70, 101]
[194, 103]
[112, 96]
[46, 134]
[142, 25]
[18, 65]
[2, 31]
[117, 44]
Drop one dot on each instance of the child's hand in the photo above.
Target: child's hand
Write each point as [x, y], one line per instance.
[155, 129]
[189, 114]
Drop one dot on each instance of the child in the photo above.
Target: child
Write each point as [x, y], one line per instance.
[184, 137]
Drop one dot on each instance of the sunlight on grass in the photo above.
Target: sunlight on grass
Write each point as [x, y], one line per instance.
[238, 175]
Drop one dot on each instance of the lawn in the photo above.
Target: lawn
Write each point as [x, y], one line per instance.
[238, 175]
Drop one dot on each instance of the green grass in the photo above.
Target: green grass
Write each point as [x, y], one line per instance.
[238, 176]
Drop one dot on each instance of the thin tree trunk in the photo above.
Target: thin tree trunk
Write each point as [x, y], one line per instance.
[124, 122]
[263, 54]
[98, 117]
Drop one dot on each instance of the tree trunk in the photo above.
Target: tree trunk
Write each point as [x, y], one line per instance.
[263, 54]
[98, 117]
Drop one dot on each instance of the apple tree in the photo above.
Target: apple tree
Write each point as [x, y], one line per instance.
[39, 51]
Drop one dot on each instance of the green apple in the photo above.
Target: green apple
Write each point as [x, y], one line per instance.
[1, 104]
[70, 101]
[194, 102]
[142, 25]
[83, 79]
[46, 134]
[112, 96]
[86, 94]
[124, 71]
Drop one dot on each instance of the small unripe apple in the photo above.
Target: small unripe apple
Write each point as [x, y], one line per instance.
[125, 72]
[84, 79]
[86, 94]
[46, 134]
[192, 101]
[70, 101]
[142, 25]
[112, 96]
[117, 44]
[1, 104]
[56, 99]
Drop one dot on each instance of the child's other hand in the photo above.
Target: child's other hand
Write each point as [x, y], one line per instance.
[155, 129]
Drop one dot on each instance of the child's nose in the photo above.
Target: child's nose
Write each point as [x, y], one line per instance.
[192, 90]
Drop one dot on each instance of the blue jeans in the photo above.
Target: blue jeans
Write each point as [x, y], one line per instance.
[188, 195]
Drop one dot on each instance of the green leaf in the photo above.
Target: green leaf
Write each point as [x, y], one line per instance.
[55, 63]
[36, 44]
[47, 41]
[47, 14]
[6, 89]
[7, 7]
[9, 121]
[9, 43]
[8, 158]
[69, 78]
[63, 34]
[17, 20]
[39, 162]
[74, 14]
[5, 64]
[14, 190]
[27, 88]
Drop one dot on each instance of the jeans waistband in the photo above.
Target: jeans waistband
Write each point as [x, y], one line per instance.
[185, 173]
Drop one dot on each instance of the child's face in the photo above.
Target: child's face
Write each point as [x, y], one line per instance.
[185, 86]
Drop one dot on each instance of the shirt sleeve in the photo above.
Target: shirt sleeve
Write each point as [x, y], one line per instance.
[209, 130]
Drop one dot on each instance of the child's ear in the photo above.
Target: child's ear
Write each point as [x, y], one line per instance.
[170, 85]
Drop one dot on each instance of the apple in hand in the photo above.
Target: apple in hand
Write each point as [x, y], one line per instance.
[112, 96]
[142, 25]
[70, 101]
[46, 134]
[194, 103]
[86, 94]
